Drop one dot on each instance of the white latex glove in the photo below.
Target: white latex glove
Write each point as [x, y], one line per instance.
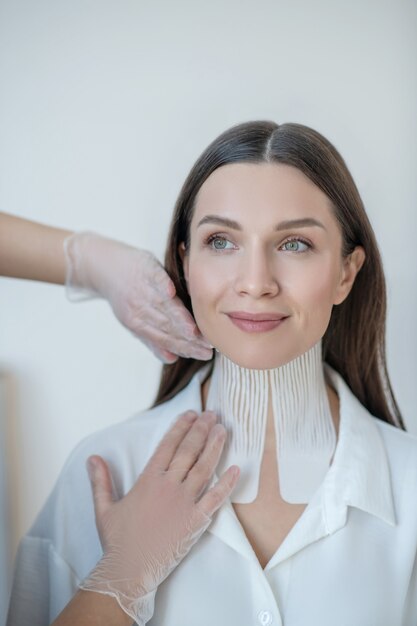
[139, 291]
[148, 532]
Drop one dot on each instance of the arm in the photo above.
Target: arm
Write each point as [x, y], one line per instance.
[137, 287]
[31, 250]
[147, 533]
[92, 609]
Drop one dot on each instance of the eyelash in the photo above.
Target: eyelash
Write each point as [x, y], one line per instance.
[210, 240]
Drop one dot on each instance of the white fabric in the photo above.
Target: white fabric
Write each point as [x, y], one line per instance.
[349, 560]
[304, 431]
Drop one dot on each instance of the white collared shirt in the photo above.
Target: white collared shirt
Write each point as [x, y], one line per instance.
[350, 559]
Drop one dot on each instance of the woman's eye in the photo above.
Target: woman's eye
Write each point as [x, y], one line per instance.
[293, 245]
[220, 243]
[217, 242]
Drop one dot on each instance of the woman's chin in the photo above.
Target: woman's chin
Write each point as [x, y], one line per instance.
[256, 360]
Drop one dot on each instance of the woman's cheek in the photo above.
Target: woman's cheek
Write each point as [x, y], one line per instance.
[319, 300]
[201, 287]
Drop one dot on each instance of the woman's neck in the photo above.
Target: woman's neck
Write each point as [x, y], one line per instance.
[270, 432]
[291, 411]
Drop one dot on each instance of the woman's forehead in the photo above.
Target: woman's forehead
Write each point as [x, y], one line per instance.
[261, 190]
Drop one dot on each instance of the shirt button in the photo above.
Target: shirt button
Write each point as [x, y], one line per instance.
[265, 618]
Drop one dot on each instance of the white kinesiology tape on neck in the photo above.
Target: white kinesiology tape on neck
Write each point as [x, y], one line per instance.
[295, 397]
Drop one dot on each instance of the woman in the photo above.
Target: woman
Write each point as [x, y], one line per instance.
[272, 251]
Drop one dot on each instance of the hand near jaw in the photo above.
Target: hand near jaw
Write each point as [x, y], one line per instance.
[148, 532]
[135, 284]
[140, 292]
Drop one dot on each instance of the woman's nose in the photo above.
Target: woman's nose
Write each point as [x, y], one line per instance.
[256, 276]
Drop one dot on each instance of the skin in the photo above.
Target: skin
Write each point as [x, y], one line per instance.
[258, 270]
[32, 251]
[92, 609]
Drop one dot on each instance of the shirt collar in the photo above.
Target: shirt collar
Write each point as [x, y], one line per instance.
[359, 475]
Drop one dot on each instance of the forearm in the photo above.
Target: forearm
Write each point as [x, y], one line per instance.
[32, 251]
[92, 609]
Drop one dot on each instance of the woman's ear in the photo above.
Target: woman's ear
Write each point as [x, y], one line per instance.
[351, 267]
[185, 259]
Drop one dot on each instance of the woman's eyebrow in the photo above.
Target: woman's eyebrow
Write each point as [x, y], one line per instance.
[216, 219]
[224, 221]
[304, 221]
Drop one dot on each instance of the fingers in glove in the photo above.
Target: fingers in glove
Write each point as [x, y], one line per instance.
[168, 315]
[101, 485]
[218, 494]
[189, 350]
[182, 321]
[163, 345]
[164, 284]
[158, 277]
[166, 346]
[191, 446]
[163, 355]
[168, 357]
[147, 322]
[201, 473]
[166, 449]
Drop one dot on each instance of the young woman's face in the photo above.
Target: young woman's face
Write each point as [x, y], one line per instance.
[247, 265]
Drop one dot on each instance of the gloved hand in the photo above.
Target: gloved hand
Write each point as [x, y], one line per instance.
[148, 532]
[139, 291]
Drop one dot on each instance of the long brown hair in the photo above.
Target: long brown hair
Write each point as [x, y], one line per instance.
[354, 342]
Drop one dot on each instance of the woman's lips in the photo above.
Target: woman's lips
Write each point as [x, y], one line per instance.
[256, 323]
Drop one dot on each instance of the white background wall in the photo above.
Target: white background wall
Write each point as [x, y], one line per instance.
[104, 107]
